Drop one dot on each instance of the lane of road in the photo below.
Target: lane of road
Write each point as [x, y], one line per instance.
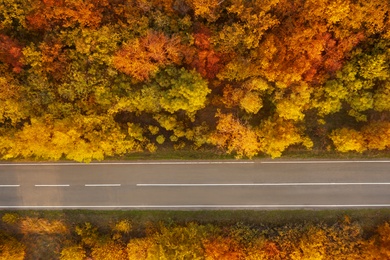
[196, 184]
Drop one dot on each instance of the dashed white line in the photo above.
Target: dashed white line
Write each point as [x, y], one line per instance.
[9, 185]
[259, 184]
[51, 185]
[102, 185]
[319, 162]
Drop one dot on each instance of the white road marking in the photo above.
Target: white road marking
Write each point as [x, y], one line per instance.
[102, 185]
[129, 163]
[9, 185]
[319, 161]
[259, 184]
[51, 185]
[195, 162]
[211, 206]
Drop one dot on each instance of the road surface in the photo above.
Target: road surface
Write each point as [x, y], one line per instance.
[196, 185]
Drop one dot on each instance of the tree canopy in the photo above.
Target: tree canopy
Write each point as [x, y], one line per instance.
[84, 80]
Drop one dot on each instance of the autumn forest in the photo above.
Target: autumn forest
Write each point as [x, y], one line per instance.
[86, 80]
[82, 235]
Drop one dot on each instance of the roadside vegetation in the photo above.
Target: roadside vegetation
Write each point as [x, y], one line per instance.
[88, 80]
[295, 234]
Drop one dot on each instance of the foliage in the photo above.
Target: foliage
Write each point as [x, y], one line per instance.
[109, 250]
[179, 242]
[235, 136]
[73, 253]
[185, 90]
[87, 80]
[10, 218]
[374, 136]
[123, 226]
[40, 225]
[275, 135]
[141, 58]
[11, 248]
[248, 235]
[348, 140]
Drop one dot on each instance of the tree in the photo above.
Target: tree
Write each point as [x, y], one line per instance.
[50, 14]
[345, 140]
[182, 90]
[379, 245]
[140, 248]
[223, 248]
[292, 102]
[13, 14]
[11, 248]
[141, 58]
[361, 83]
[109, 250]
[202, 56]
[312, 246]
[246, 24]
[377, 135]
[276, 134]
[179, 242]
[248, 95]
[382, 97]
[11, 53]
[80, 139]
[205, 8]
[234, 136]
[11, 107]
[73, 253]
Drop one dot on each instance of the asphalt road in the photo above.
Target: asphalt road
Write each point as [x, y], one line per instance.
[196, 185]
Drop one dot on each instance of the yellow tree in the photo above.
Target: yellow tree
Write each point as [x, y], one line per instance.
[109, 250]
[248, 95]
[276, 134]
[205, 8]
[291, 103]
[11, 248]
[11, 107]
[379, 246]
[312, 246]
[75, 252]
[186, 90]
[246, 24]
[382, 97]
[223, 248]
[139, 248]
[346, 140]
[179, 242]
[234, 136]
